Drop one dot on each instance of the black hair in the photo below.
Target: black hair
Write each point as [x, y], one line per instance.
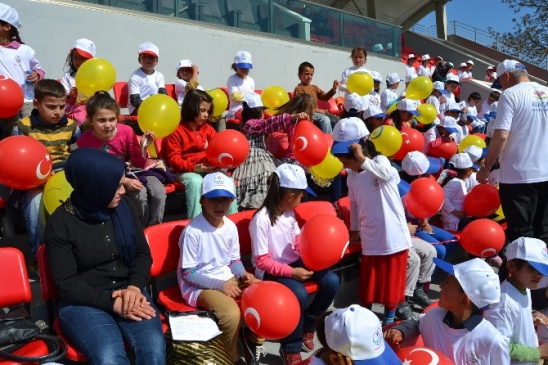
[495, 95]
[101, 100]
[304, 65]
[274, 197]
[251, 113]
[461, 173]
[475, 95]
[190, 109]
[368, 149]
[70, 64]
[14, 32]
[503, 270]
[49, 87]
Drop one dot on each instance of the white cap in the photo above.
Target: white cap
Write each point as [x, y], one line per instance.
[438, 85]
[425, 57]
[376, 76]
[373, 111]
[490, 68]
[392, 79]
[353, 101]
[9, 15]
[470, 62]
[253, 100]
[184, 63]
[216, 185]
[453, 107]
[356, 332]
[149, 48]
[450, 124]
[292, 177]
[477, 279]
[452, 77]
[243, 60]
[346, 132]
[474, 152]
[463, 64]
[415, 163]
[408, 106]
[84, 47]
[411, 55]
[532, 250]
[377, 47]
[461, 161]
[494, 177]
[508, 65]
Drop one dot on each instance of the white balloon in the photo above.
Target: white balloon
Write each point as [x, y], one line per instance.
[255, 314]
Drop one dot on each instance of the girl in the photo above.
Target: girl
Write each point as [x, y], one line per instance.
[240, 84]
[187, 75]
[82, 50]
[275, 245]
[454, 191]
[253, 174]
[389, 95]
[185, 149]
[402, 117]
[359, 58]
[526, 265]
[377, 218]
[146, 192]
[373, 117]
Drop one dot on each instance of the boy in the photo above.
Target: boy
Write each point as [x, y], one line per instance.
[424, 69]
[322, 118]
[374, 96]
[469, 108]
[451, 83]
[457, 328]
[437, 99]
[210, 273]
[48, 124]
[145, 81]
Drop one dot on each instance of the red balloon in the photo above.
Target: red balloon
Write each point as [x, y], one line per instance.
[309, 144]
[11, 97]
[277, 144]
[482, 201]
[483, 238]
[425, 198]
[270, 309]
[323, 241]
[228, 149]
[26, 163]
[481, 135]
[442, 147]
[421, 355]
[412, 140]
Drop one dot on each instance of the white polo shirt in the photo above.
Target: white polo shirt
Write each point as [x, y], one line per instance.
[14, 63]
[144, 85]
[243, 86]
[424, 71]
[433, 100]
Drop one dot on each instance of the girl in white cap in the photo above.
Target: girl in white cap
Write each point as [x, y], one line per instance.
[240, 83]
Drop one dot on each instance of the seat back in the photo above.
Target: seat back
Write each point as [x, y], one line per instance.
[49, 290]
[305, 211]
[242, 220]
[344, 208]
[14, 280]
[121, 93]
[330, 105]
[163, 240]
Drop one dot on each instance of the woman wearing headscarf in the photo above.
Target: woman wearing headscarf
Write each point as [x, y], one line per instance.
[100, 260]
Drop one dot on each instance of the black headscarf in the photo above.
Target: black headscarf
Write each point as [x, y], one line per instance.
[95, 176]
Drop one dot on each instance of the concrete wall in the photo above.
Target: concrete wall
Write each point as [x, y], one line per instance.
[51, 27]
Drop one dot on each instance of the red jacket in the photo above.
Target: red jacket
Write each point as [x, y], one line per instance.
[186, 147]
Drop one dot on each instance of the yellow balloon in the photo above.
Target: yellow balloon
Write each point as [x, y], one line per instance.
[220, 101]
[471, 140]
[56, 190]
[420, 88]
[360, 83]
[330, 167]
[96, 74]
[428, 113]
[387, 140]
[392, 108]
[274, 97]
[159, 114]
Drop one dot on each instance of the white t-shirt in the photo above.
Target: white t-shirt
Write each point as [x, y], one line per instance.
[464, 75]
[410, 73]
[278, 240]
[454, 193]
[449, 98]
[374, 99]
[14, 63]
[430, 136]
[512, 316]
[388, 96]
[243, 86]
[346, 73]
[471, 182]
[144, 85]
[208, 249]
[424, 71]
[433, 100]
[376, 210]
[523, 111]
[180, 91]
[484, 345]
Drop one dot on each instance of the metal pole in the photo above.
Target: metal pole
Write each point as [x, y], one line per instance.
[270, 16]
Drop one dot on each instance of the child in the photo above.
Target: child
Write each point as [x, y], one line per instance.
[457, 328]
[402, 117]
[389, 95]
[49, 125]
[210, 273]
[275, 243]
[354, 105]
[18, 63]
[146, 192]
[373, 117]
[145, 81]
[437, 99]
[374, 96]
[424, 69]
[321, 117]
[185, 149]
[82, 50]
[463, 72]
[490, 74]
[469, 111]
[526, 264]
[252, 175]
[187, 75]
[239, 84]
[359, 58]
[377, 217]
[451, 84]
[410, 70]
[454, 191]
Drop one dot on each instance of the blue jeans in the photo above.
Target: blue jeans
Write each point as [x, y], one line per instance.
[101, 335]
[323, 122]
[31, 204]
[328, 283]
[439, 235]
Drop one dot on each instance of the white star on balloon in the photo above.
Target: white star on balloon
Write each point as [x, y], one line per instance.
[407, 362]
[47, 157]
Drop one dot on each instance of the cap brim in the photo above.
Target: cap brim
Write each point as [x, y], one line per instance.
[311, 192]
[219, 193]
[84, 53]
[435, 165]
[471, 117]
[380, 115]
[388, 357]
[342, 147]
[451, 130]
[249, 66]
[444, 265]
[475, 166]
[455, 111]
[149, 52]
[496, 85]
[403, 187]
[541, 268]
[414, 112]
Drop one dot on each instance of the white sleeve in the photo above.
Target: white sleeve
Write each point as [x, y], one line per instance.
[134, 85]
[65, 81]
[161, 80]
[344, 79]
[500, 353]
[502, 317]
[235, 249]
[231, 86]
[189, 248]
[259, 231]
[452, 191]
[384, 101]
[505, 113]
[354, 218]
[380, 167]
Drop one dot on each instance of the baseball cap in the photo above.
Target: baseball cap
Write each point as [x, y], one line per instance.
[293, 177]
[463, 64]
[353, 101]
[425, 57]
[450, 124]
[346, 132]
[373, 111]
[84, 47]
[217, 185]
[403, 187]
[415, 163]
[477, 279]
[9, 15]
[392, 79]
[505, 66]
[453, 107]
[411, 55]
[470, 62]
[253, 100]
[461, 161]
[440, 86]
[149, 48]
[474, 152]
[377, 47]
[356, 332]
[377, 77]
[490, 68]
[532, 250]
[184, 63]
[408, 106]
[243, 60]
[452, 78]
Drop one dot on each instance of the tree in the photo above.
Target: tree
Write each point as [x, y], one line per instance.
[528, 39]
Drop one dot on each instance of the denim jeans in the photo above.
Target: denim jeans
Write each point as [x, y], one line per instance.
[328, 283]
[101, 335]
[323, 122]
[439, 235]
[31, 204]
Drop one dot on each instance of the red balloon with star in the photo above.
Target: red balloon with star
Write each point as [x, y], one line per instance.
[26, 163]
[418, 355]
[228, 149]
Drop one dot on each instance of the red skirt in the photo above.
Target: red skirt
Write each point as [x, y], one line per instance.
[382, 279]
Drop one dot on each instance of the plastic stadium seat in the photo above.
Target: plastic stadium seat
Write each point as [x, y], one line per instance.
[330, 105]
[242, 220]
[121, 93]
